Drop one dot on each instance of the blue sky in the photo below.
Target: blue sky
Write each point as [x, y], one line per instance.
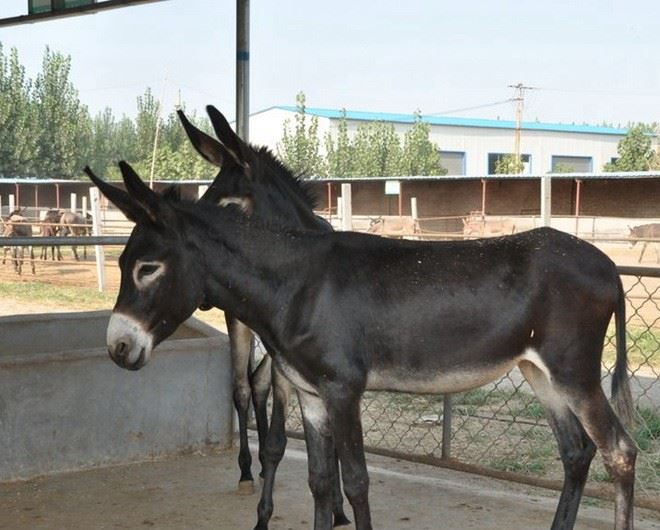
[592, 61]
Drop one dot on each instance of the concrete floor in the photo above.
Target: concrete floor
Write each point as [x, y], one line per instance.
[199, 492]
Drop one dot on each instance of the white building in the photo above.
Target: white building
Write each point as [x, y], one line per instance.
[469, 146]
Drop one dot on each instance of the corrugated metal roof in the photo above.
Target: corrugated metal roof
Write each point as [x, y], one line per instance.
[456, 122]
[571, 176]
[30, 180]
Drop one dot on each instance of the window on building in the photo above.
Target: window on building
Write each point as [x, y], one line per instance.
[572, 164]
[494, 157]
[453, 162]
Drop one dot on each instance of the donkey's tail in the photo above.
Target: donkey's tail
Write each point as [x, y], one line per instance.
[621, 394]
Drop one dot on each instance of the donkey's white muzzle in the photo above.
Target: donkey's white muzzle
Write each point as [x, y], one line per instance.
[129, 345]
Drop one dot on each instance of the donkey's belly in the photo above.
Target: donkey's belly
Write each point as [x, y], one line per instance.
[457, 379]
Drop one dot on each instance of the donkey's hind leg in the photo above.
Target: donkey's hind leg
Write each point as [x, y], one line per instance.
[274, 447]
[618, 449]
[241, 343]
[575, 447]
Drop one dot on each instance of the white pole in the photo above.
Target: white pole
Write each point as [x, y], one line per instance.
[413, 208]
[12, 202]
[347, 208]
[74, 202]
[95, 203]
[339, 209]
[201, 190]
[546, 200]
[413, 212]
[84, 206]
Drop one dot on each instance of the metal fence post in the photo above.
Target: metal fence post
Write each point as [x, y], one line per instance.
[95, 202]
[446, 426]
[346, 207]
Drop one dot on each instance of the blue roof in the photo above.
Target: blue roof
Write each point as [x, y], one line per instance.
[456, 122]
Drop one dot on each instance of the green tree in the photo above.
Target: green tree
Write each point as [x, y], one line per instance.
[299, 148]
[563, 168]
[377, 151]
[508, 165]
[17, 135]
[339, 154]
[146, 123]
[420, 156]
[59, 116]
[635, 151]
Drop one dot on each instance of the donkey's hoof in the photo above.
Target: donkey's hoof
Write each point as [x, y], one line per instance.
[341, 520]
[246, 487]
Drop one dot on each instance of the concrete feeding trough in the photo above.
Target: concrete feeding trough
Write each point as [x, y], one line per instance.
[65, 405]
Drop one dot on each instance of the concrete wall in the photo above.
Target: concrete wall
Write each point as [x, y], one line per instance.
[65, 405]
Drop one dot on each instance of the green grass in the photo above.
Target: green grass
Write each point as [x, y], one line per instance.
[75, 298]
[72, 296]
[647, 432]
[643, 348]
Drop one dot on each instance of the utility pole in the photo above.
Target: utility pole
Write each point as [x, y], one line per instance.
[519, 98]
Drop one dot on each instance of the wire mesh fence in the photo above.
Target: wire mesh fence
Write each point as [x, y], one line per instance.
[502, 427]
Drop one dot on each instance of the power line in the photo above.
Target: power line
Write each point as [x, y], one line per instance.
[485, 105]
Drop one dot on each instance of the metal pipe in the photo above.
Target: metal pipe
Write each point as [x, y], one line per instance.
[446, 427]
[578, 187]
[243, 69]
[72, 241]
[483, 197]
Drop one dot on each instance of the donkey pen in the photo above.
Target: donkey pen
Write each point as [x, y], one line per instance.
[340, 316]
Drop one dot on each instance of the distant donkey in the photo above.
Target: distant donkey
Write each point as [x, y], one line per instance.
[17, 226]
[73, 224]
[50, 228]
[647, 231]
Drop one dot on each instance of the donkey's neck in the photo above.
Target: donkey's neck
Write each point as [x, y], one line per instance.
[252, 272]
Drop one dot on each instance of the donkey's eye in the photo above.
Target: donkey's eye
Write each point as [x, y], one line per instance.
[147, 270]
[144, 273]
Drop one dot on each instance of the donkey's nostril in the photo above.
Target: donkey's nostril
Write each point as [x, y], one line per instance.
[120, 350]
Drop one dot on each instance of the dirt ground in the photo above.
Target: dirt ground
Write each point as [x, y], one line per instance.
[199, 492]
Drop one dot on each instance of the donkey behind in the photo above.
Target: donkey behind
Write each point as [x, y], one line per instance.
[252, 180]
[450, 316]
[647, 231]
[18, 226]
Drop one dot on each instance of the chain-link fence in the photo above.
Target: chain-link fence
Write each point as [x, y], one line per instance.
[501, 428]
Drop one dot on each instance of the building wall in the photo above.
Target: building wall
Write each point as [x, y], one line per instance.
[476, 142]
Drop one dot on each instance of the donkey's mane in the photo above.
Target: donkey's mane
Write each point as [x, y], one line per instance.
[296, 183]
[211, 213]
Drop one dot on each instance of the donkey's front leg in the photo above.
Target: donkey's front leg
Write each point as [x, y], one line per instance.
[260, 383]
[343, 405]
[241, 342]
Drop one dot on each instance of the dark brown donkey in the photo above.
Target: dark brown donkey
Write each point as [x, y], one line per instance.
[253, 181]
[17, 225]
[342, 312]
[645, 232]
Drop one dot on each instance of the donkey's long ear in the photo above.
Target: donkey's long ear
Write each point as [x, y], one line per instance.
[122, 200]
[140, 192]
[228, 137]
[210, 149]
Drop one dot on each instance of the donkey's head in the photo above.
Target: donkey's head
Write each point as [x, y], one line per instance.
[156, 293]
[251, 178]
